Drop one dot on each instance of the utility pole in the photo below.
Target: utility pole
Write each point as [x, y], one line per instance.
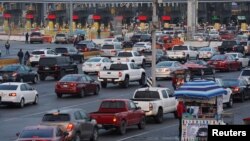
[71, 17]
[154, 26]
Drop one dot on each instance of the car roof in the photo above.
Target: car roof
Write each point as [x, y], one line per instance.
[41, 49]
[115, 100]
[151, 89]
[64, 111]
[12, 83]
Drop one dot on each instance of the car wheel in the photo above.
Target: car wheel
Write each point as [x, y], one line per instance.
[97, 90]
[230, 102]
[122, 128]
[36, 100]
[21, 104]
[142, 123]
[104, 84]
[82, 94]
[42, 77]
[125, 83]
[95, 135]
[142, 80]
[159, 116]
[77, 137]
[35, 79]
[59, 95]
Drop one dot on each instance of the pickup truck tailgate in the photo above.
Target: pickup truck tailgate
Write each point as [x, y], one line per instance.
[143, 104]
[120, 59]
[103, 118]
[109, 74]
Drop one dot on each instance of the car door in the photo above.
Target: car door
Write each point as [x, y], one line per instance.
[30, 92]
[86, 124]
[90, 83]
[172, 99]
[134, 116]
[133, 72]
[25, 93]
[30, 74]
[23, 73]
[137, 58]
[166, 101]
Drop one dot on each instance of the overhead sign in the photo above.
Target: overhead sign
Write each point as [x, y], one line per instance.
[142, 18]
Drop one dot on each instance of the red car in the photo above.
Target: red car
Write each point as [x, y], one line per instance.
[225, 35]
[76, 84]
[42, 133]
[225, 62]
[119, 114]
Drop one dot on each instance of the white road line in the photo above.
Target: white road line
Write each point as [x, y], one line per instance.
[153, 130]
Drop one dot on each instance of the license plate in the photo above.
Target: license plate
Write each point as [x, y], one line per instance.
[46, 68]
[65, 86]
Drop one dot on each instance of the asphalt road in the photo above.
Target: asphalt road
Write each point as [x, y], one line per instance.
[13, 119]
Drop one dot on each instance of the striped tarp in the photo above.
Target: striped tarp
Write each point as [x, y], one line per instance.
[200, 89]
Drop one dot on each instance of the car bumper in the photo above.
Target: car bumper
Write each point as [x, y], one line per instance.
[162, 74]
[91, 69]
[67, 91]
[110, 80]
[9, 100]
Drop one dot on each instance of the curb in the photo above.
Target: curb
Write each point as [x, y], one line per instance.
[4, 62]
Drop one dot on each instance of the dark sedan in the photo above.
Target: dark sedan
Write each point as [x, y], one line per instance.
[76, 84]
[18, 73]
[239, 87]
[225, 62]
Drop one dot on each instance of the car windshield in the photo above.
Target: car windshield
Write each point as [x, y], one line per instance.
[125, 54]
[94, 60]
[205, 49]
[180, 48]
[37, 133]
[231, 82]
[35, 34]
[113, 104]
[119, 67]
[56, 117]
[245, 73]
[47, 61]
[218, 57]
[8, 87]
[147, 94]
[164, 64]
[37, 52]
[10, 68]
[234, 55]
[108, 47]
[61, 50]
[71, 78]
[60, 35]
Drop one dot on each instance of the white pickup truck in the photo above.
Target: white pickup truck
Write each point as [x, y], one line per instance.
[130, 56]
[227, 99]
[122, 73]
[183, 53]
[156, 101]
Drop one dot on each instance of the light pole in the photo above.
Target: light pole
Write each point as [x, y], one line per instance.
[71, 17]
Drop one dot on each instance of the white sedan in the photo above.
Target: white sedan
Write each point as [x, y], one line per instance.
[17, 93]
[140, 46]
[240, 57]
[96, 64]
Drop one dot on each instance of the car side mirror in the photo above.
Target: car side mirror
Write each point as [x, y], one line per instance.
[138, 108]
[17, 134]
[65, 134]
[31, 89]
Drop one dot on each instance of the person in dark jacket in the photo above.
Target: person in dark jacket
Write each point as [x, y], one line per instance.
[26, 58]
[7, 47]
[27, 38]
[20, 56]
[180, 110]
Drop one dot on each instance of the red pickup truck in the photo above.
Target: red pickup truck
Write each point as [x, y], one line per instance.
[119, 114]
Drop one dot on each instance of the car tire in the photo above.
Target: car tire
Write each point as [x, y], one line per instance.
[59, 95]
[95, 135]
[159, 116]
[36, 100]
[230, 102]
[82, 94]
[35, 80]
[122, 128]
[125, 83]
[42, 77]
[142, 123]
[142, 80]
[21, 103]
[97, 90]
[104, 84]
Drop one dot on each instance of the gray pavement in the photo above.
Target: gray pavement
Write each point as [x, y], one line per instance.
[13, 119]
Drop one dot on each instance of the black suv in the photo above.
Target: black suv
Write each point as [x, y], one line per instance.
[231, 46]
[72, 52]
[56, 67]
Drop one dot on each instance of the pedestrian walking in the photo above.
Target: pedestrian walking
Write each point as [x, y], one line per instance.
[26, 58]
[180, 110]
[174, 81]
[27, 38]
[20, 56]
[7, 47]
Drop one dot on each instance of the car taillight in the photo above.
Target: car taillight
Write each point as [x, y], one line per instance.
[14, 74]
[12, 94]
[98, 65]
[72, 84]
[151, 106]
[70, 127]
[236, 89]
[120, 74]
[86, 49]
[114, 119]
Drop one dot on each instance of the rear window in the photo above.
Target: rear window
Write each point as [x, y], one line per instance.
[8, 87]
[56, 117]
[35, 34]
[125, 54]
[119, 67]
[94, 60]
[37, 133]
[108, 47]
[37, 52]
[218, 57]
[47, 61]
[180, 48]
[71, 78]
[113, 104]
[61, 50]
[245, 73]
[10, 68]
[147, 94]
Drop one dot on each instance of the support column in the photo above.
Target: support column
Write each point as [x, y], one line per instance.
[191, 17]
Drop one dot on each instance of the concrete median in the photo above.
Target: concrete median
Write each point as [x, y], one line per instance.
[4, 62]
